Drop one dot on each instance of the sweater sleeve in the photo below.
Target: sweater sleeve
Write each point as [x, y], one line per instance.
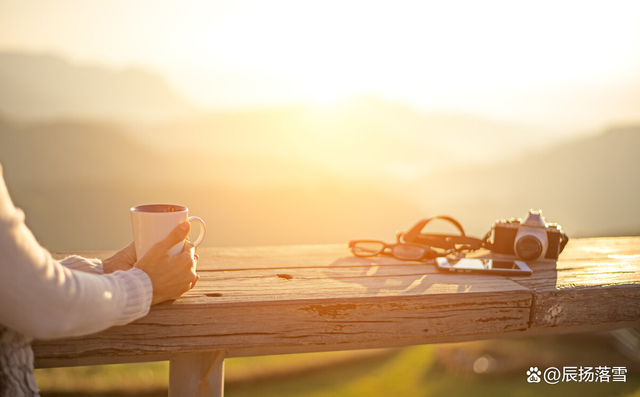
[76, 262]
[43, 299]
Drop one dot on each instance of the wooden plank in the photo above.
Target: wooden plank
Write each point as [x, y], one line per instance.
[595, 281]
[262, 257]
[297, 325]
[257, 309]
[275, 257]
[601, 247]
[585, 292]
[312, 298]
[251, 352]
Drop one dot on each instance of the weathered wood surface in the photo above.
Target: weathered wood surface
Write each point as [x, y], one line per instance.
[268, 300]
[596, 281]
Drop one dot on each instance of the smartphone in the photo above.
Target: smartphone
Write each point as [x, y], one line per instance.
[484, 266]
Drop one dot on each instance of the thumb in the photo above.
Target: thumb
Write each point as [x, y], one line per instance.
[177, 235]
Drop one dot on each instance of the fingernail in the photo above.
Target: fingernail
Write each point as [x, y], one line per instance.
[184, 226]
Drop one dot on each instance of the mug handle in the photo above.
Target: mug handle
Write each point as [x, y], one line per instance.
[203, 229]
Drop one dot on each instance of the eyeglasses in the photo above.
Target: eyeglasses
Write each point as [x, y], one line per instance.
[402, 251]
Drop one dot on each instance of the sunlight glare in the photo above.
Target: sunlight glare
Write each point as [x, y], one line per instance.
[427, 52]
[497, 58]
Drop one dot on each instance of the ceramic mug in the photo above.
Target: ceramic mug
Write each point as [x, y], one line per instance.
[153, 222]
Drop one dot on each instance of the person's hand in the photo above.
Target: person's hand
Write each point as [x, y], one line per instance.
[121, 260]
[171, 276]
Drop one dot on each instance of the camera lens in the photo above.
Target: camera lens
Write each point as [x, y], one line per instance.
[528, 248]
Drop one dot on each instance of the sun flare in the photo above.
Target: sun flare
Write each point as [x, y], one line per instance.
[499, 58]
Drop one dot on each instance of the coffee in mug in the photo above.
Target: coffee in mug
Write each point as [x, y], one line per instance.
[153, 223]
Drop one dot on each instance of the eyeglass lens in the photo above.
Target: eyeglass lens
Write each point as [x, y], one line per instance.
[367, 248]
[408, 252]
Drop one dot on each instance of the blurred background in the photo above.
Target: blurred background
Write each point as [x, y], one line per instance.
[287, 122]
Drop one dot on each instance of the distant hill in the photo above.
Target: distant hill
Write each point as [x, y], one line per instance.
[77, 180]
[590, 186]
[74, 152]
[47, 86]
[258, 184]
[367, 136]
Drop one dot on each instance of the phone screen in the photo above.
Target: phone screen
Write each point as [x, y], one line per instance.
[504, 265]
[491, 266]
[477, 264]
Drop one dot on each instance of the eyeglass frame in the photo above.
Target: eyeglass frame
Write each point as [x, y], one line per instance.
[429, 253]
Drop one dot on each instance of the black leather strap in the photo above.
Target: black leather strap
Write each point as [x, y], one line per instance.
[443, 241]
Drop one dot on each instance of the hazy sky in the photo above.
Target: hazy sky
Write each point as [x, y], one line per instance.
[556, 63]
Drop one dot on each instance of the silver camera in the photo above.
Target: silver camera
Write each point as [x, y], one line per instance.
[529, 239]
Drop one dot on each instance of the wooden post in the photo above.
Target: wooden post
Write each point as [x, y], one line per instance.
[197, 374]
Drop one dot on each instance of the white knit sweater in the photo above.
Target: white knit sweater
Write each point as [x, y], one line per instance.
[44, 299]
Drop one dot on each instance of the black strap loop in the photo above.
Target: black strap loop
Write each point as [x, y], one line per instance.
[443, 241]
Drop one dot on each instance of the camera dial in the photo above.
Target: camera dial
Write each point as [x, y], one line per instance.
[531, 240]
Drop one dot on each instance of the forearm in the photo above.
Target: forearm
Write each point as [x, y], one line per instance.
[43, 299]
[71, 303]
[75, 262]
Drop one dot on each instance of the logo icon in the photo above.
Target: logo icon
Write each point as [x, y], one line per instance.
[552, 375]
[533, 375]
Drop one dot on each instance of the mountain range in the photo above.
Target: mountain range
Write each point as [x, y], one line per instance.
[76, 181]
[45, 86]
[297, 174]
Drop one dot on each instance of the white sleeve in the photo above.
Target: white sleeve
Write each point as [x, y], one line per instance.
[43, 299]
[87, 265]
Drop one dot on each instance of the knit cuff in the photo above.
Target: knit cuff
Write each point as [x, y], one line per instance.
[138, 290]
[76, 262]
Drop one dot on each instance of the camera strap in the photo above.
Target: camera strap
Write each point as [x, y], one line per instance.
[456, 243]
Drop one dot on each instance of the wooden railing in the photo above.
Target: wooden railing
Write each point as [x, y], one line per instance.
[278, 300]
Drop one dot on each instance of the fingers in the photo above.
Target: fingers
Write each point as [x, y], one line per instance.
[177, 235]
[171, 276]
[193, 284]
[130, 251]
[187, 260]
[188, 247]
[193, 259]
[189, 251]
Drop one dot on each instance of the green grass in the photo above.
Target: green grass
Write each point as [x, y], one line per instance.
[105, 380]
[421, 371]
[413, 372]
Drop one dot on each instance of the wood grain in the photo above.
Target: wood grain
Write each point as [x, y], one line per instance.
[308, 298]
[597, 281]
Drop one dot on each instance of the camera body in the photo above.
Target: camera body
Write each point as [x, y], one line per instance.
[529, 239]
